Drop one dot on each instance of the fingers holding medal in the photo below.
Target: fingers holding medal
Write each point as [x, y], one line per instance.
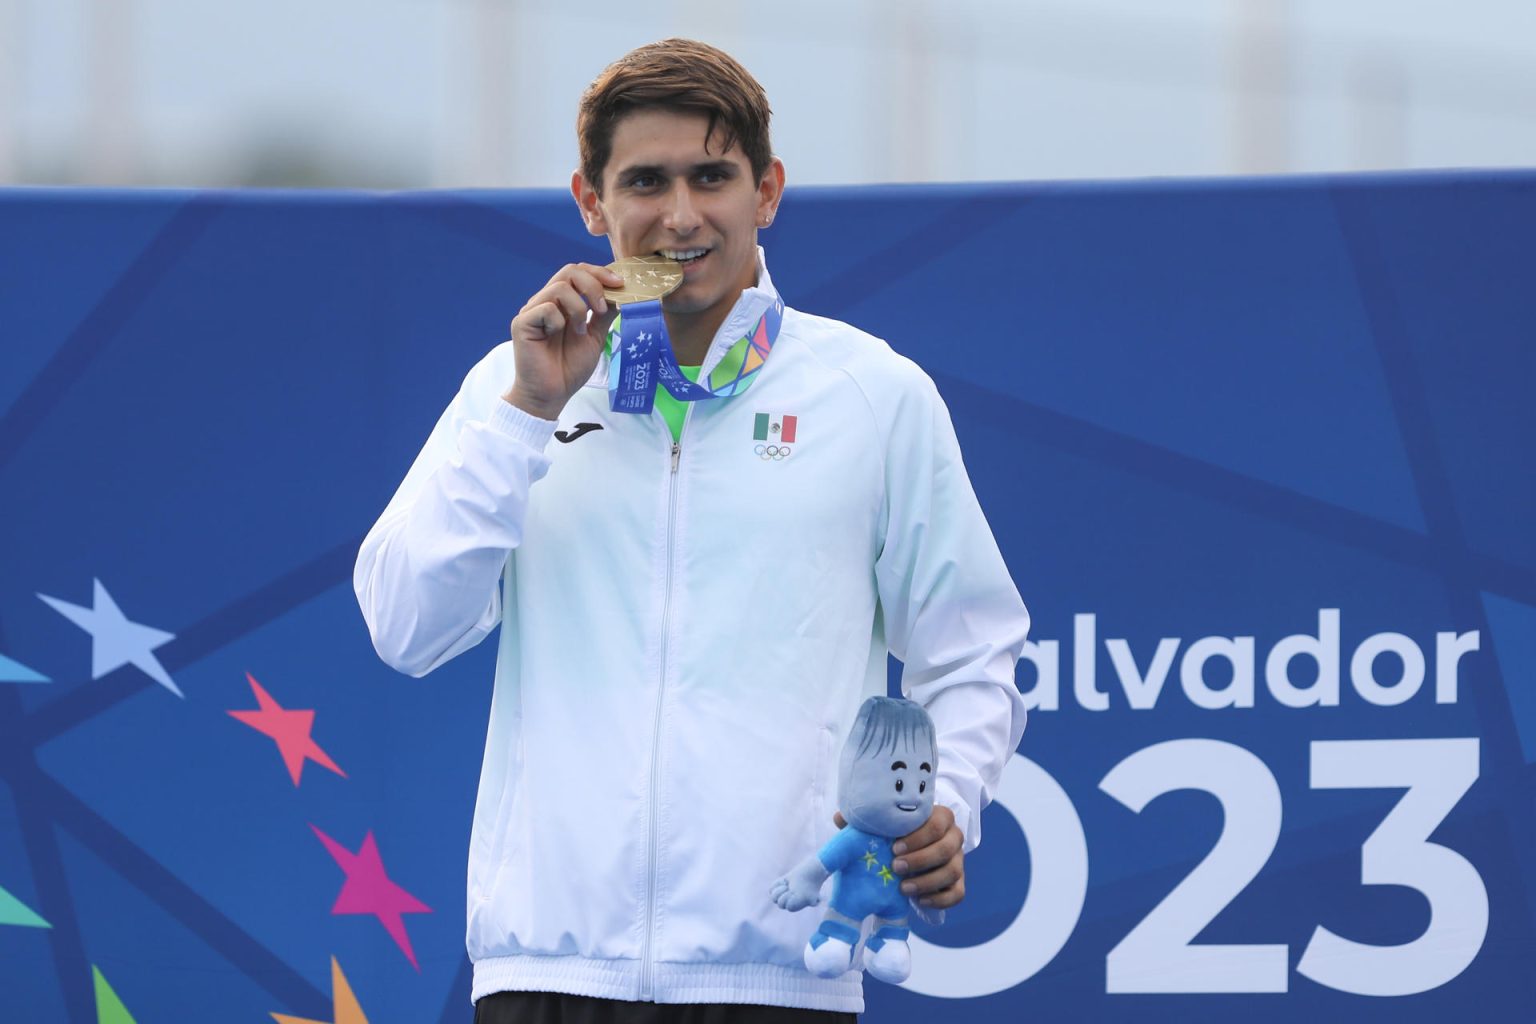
[578, 287]
[558, 335]
[556, 346]
[564, 301]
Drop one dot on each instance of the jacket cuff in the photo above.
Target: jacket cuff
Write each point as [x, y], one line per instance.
[508, 419]
[945, 795]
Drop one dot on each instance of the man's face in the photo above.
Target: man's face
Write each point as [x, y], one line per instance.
[665, 191]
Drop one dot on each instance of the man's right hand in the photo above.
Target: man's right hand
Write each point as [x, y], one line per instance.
[555, 348]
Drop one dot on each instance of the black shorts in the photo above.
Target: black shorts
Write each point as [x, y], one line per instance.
[556, 1008]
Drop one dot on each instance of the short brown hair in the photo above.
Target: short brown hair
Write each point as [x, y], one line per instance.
[677, 74]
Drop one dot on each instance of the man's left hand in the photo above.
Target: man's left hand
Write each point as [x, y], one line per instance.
[931, 861]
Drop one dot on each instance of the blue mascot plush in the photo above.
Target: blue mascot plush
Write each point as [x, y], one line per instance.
[885, 791]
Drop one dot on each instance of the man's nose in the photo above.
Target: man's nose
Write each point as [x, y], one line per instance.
[682, 216]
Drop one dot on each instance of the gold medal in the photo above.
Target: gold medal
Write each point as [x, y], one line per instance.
[645, 277]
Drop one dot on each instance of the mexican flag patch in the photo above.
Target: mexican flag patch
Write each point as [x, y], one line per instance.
[774, 428]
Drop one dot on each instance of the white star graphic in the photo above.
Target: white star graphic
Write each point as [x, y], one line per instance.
[633, 350]
[114, 640]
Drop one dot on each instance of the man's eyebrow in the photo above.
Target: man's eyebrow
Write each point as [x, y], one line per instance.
[721, 167]
[898, 766]
[925, 766]
[637, 170]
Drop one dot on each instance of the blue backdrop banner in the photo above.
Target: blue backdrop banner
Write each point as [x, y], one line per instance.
[1259, 454]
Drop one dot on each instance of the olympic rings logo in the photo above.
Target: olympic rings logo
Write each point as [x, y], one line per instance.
[776, 452]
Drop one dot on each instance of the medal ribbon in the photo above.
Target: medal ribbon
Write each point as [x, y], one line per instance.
[641, 357]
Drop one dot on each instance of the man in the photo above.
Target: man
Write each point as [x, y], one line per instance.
[693, 601]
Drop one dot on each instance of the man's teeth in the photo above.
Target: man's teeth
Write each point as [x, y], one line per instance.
[683, 255]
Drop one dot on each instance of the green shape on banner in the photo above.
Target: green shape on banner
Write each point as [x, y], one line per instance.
[109, 1008]
[13, 911]
[15, 672]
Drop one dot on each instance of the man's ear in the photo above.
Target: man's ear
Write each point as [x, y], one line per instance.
[590, 205]
[769, 191]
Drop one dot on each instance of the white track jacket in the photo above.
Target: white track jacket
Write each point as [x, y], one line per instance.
[686, 633]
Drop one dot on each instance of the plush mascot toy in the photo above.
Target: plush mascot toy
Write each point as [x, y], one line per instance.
[885, 791]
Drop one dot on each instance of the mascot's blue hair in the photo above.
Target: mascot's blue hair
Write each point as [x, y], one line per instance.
[884, 722]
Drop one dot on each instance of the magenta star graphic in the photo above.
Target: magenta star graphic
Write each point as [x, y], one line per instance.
[368, 890]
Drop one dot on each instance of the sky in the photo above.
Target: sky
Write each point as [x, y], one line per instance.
[482, 93]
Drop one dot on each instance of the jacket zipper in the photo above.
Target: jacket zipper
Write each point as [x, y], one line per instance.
[647, 965]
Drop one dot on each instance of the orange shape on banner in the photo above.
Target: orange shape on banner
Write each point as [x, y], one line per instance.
[344, 1005]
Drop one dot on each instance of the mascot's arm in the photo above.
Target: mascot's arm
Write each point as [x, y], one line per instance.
[801, 888]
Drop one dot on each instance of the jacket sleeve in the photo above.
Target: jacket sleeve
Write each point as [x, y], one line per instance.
[951, 611]
[428, 572]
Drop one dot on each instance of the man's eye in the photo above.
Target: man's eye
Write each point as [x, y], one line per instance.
[643, 181]
[898, 785]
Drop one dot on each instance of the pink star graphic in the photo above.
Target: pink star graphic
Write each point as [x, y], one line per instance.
[368, 890]
[289, 728]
